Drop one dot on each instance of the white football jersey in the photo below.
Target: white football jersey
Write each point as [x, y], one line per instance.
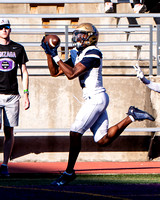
[91, 81]
[154, 86]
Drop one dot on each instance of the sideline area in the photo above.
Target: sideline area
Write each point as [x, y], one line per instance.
[150, 167]
[95, 181]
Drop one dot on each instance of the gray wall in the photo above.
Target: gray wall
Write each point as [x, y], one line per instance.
[54, 104]
[54, 101]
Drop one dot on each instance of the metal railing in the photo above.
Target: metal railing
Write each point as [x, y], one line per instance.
[81, 15]
[139, 39]
[66, 130]
[61, 1]
[51, 1]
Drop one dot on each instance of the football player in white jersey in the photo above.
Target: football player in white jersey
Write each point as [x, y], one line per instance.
[151, 85]
[85, 62]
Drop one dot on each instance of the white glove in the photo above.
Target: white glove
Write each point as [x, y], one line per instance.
[140, 74]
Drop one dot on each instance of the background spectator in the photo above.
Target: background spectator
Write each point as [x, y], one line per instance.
[153, 7]
[137, 7]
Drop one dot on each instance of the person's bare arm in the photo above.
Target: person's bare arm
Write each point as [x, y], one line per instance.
[70, 72]
[54, 61]
[53, 67]
[25, 79]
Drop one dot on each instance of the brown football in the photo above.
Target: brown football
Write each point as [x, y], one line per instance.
[53, 40]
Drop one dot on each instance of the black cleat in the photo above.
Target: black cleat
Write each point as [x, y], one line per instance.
[4, 171]
[64, 179]
[139, 115]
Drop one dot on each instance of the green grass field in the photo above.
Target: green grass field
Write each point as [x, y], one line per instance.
[45, 179]
[90, 187]
[119, 179]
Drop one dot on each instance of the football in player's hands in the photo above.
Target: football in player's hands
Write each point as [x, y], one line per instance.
[53, 40]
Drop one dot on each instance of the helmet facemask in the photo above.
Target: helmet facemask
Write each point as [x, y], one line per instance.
[80, 39]
[85, 35]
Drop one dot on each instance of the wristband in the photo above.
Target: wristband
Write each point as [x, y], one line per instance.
[56, 59]
[26, 91]
[145, 81]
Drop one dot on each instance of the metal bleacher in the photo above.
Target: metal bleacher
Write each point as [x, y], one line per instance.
[144, 50]
[50, 1]
[62, 1]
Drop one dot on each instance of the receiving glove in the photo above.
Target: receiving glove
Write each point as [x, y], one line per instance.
[140, 74]
[45, 46]
[53, 52]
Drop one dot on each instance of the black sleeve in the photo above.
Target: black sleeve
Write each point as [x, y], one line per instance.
[91, 62]
[69, 62]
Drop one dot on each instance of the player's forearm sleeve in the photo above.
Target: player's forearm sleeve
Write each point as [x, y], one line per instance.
[145, 81]
[154, 86]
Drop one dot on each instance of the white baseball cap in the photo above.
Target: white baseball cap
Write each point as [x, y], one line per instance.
[4, 21]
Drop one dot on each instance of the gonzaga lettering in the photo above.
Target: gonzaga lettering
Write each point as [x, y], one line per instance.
[8, 54]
